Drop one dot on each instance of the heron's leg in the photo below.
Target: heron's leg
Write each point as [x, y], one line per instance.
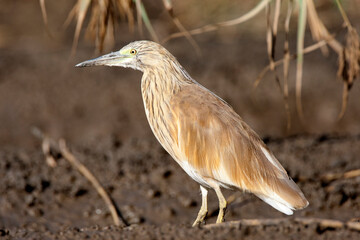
[222, 205]
[222, 201]
[203, 210]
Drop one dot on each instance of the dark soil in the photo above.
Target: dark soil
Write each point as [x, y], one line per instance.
[99, 112]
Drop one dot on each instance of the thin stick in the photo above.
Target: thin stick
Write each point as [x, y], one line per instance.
[168, 6]
[329, 177]
[70, 16]
[344, 102]
[138, 16]
[50, 145]
[45, 19]
[322, 222]
[46, 146]
[271, 38]
[147, 22]
[249, 222]
[43, 12]
[82, 7]
[276, 17]
[299, 65]
[287, 64]
[319, 30]
[316, 26]
[309, 49]
[213, 27]
[343, 14]
[346, 175]
[87, 174]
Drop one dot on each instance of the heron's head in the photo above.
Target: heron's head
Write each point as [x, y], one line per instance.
[139, 55]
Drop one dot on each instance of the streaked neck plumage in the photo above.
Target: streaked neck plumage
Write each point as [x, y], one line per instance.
[158, 85]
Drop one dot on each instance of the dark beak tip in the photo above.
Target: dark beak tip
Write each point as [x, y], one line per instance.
[80, 65]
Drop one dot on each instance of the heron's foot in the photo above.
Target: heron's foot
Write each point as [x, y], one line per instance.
[200, 217]
[222, 210]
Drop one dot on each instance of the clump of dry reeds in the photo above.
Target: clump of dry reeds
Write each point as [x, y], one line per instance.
[101, 20]
[103, 15]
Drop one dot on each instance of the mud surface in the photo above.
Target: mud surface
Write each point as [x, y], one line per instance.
[158, 199]
[99, 113]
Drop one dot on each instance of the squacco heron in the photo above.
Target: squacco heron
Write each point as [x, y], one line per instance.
[202, 133]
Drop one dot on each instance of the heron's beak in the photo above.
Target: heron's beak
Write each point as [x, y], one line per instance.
[111, 59]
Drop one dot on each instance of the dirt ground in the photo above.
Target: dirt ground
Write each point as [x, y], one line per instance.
[99, 112]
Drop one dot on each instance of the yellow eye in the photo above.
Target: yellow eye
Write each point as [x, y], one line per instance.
[133, 52]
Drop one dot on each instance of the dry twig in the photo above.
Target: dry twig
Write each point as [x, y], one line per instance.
[50, 160]
[45, 18]
[287, 63]
[329, 177]
[349, 59]
[323, 223]
[336, 176]
[281, 61]
[271, 47]
[48, 146]
[92, 179]
[142, 16]
[299, 58]
[168, 6]
[213, 27]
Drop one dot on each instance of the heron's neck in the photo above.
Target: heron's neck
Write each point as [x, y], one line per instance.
[157, 88]
[162, 84]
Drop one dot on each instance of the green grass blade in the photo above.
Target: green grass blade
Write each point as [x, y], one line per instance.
[300, 49]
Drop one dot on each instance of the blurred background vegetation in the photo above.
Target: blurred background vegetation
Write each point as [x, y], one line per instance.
[242, 50]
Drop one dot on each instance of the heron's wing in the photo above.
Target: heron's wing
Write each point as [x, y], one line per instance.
[213, 139]
[212, 136]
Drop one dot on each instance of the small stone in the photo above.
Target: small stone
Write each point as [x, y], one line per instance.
[4, 232]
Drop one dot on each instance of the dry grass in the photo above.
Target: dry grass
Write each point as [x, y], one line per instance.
[349, 59]
[349, 53]
[104, 14]
[101, 24]
[287, 63]
[271, 36]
